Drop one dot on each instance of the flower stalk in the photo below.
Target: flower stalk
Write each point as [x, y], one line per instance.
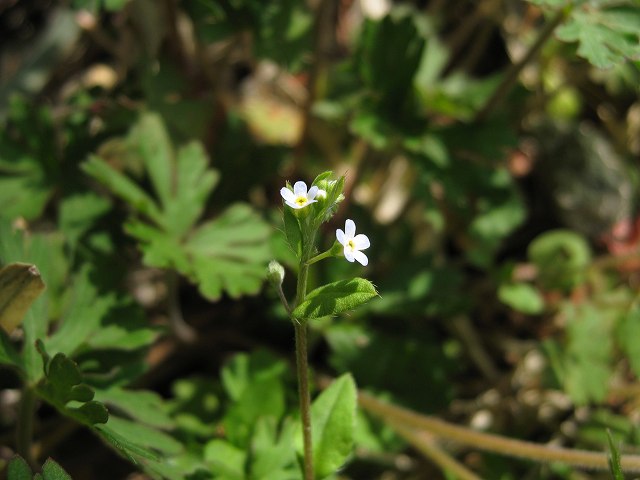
[309, 208]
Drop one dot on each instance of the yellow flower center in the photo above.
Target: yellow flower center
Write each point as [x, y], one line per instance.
[301, 201]
[351, 245]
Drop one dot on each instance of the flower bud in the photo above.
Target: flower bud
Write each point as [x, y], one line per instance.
[275, 273]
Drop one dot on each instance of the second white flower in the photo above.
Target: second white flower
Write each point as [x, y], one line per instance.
[353, 243]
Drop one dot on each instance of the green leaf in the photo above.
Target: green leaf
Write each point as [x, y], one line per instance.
[225, 459]
[393, 44]
[87, 309]
[77, 213]
[63, 384]
[335, 298]
[605, 36]
[8, 354]
[292, 231]
[124, 445]
[142, 405]
[583, 365]
[19, 469]
[143, 436]
[20, 285]
[628, 331]
[333, 416]
[272, 455]
[228, 254]
[521, 297]
[122, 186]
[255, 383]
[52, 471]
[614, 459]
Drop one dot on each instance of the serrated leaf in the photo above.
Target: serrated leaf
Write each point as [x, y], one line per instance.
[122, 186]
[20, 285]
[83, 316]
[605, 36]
[225, 459]
[271, 450]
[77, 213]
[230, 253]
[194, 183]
[125, 446]
[333, 416]
[142, 405]
[53, 471]
[19, 469]
[335, 298]
[144, 436]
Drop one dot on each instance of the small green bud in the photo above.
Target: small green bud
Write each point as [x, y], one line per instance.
[275, 273]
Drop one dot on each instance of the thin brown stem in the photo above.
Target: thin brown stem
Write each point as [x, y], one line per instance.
[512, 74]
[426, 444]
[493, 443]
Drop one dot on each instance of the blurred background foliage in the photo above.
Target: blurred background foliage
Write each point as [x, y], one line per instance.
[490, 150]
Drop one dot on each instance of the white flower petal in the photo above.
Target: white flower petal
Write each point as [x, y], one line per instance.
[313, 191]
[293, 204]
[361, 241]
[300, 188]
[348, 254]
[361, 258]
[349, 228]
[340, 236]
[287, 194]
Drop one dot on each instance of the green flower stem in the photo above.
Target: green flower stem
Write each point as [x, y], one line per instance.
[491, 442]
[319, 257]
[302, 367]
[24, 432]
[283, 299]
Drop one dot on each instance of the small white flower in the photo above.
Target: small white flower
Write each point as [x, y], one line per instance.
[322, 194]
[353, 243]
[299, 198]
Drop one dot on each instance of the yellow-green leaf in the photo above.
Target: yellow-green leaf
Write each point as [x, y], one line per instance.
[20, 285]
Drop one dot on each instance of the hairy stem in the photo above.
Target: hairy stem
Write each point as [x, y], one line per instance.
[24, 432]
[493, 443]
[511, 76]
[302, 367]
